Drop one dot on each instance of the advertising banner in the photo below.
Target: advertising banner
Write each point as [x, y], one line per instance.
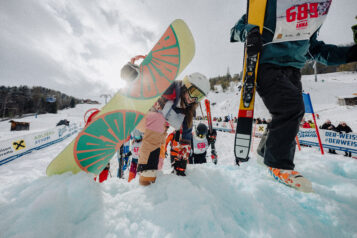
[14, 148]
[330, 139]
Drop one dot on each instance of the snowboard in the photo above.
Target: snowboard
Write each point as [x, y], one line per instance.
[243, 135]
[99, 141]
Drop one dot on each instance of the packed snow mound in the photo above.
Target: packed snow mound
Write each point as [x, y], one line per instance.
[221, 200]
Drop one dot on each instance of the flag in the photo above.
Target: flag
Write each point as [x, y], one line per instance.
[307, 102]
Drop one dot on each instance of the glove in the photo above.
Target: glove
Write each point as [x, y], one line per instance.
[212, 137]
[352, 54]
[180, 167]
[254, 42]
[214, 157]
[129, 72]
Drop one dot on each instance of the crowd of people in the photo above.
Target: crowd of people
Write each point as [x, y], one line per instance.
[176, 108]
[201, 140]
[234, 119]
[341, 128]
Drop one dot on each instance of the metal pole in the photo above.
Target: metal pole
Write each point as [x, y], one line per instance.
[315, 70]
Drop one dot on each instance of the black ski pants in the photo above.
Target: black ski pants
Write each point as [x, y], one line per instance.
[281, 91]
[198, 158]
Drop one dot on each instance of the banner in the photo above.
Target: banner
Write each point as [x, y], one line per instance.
[227, 126]
[307, 103]
[330, 139]
[14, 148]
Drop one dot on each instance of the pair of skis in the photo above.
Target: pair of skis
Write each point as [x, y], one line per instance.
[209, 119]
[243, 134]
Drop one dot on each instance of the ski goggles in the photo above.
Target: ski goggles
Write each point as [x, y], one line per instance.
[201, 136]
[192, 91]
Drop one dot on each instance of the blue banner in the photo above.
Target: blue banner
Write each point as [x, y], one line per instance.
[307, 102]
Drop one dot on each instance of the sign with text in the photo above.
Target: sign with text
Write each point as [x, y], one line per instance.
[14, 148]
[330, 139]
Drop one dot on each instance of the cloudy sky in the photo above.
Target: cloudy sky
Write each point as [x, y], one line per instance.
[79, 46]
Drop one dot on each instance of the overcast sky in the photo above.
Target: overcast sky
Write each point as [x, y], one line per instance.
[79, 46]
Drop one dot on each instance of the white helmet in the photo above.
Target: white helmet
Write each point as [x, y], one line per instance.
[199, 81]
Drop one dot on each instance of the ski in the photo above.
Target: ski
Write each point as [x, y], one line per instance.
[121, 162]
[243, 135]
[209, 119]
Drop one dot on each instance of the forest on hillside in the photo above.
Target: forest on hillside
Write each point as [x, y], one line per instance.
[17, 101]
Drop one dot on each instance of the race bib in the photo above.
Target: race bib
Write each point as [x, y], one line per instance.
[136, 149]
[200, 145]
[299, 19]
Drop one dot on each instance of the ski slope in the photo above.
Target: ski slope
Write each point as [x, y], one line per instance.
[211, 201]
[324, 96]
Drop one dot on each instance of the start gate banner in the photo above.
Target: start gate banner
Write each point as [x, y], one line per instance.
[12, 149]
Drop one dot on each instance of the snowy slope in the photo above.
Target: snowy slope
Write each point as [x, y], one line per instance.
[211, 201]
[324, 94]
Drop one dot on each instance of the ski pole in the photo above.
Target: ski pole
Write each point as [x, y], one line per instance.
[298, 142]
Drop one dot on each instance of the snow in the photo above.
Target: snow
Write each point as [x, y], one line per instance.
[324, 96]
[221, 200]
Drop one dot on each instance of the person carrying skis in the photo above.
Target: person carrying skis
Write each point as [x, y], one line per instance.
[201, 140]
[288, 40]
[176, 106]
[137, 138]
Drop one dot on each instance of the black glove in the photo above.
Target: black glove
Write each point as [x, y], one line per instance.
[180, 167]
[352, 54]
[211, 136]
[254, 42]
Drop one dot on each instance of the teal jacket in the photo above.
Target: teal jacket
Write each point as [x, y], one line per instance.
[290, 53]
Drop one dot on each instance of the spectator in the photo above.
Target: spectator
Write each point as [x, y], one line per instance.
[305, 124]
[328, 126]
[312, 125]
[344, 128]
